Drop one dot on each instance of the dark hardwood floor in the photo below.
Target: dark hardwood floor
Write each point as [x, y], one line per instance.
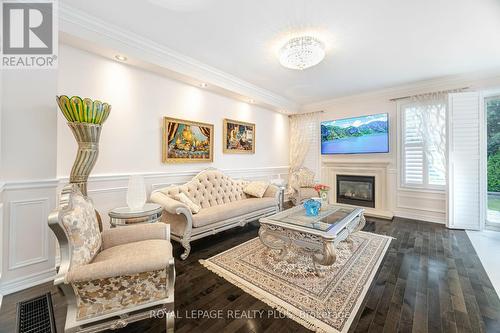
[431, 280]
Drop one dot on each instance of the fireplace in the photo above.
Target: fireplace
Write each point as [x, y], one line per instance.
[356, 190]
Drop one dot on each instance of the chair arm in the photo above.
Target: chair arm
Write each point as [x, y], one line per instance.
[116, 268]
[134, 233]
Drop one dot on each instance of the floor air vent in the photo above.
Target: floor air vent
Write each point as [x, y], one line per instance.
[36, 315]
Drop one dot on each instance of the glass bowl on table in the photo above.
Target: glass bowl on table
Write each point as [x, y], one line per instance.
[312, 207]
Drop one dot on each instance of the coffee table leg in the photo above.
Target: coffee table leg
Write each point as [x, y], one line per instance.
[362, 222]
[326, 258]
[270, 239]
[350, 242]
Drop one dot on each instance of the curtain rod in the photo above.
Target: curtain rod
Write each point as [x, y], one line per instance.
[442, 91]
[301, 113]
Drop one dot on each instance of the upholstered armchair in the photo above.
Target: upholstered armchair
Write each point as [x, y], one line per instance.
[115, 277]
[302, 184]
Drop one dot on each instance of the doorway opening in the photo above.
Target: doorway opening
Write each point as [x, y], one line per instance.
[492, 106]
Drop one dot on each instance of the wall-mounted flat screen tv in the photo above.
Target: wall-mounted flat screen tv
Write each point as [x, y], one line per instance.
[360, 135]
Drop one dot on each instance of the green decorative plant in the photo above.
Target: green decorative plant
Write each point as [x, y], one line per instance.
[76, 109]
[494, 173]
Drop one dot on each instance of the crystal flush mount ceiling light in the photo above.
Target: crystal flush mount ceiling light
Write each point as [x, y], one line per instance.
[301, 52]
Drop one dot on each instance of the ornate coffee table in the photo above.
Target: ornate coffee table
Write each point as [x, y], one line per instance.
[315, 236]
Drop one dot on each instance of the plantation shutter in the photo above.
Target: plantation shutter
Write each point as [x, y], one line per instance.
[464, 164]
[413, 149]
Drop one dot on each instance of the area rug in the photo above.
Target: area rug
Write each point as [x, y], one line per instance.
[327, 304]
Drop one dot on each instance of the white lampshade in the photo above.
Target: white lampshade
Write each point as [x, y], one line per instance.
[136, 192]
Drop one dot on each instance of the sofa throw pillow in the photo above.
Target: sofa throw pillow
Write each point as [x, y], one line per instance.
[188, 202]
[256, 188]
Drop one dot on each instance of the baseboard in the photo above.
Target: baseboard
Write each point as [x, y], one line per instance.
[372, 212]
[381, 214]
[420, 217]
[29, 281]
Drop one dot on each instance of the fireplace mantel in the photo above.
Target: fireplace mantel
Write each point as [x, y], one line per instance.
[358, 163]
[357, 167]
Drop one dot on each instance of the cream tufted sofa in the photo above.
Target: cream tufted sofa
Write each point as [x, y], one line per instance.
[223, 204]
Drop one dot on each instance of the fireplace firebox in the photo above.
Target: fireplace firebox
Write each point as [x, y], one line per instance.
[356, 190]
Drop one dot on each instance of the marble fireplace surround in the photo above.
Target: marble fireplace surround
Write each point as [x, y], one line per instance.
[379, 170]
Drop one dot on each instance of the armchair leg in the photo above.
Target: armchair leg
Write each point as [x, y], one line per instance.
[170, 322]
[187, 248]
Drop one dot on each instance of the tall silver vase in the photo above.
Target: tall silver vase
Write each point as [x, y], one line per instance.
[87, 135]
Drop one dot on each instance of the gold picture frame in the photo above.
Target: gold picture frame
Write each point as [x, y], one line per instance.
[185, 141]
[238, 137]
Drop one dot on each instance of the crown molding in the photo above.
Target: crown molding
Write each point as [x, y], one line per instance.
[474, 81]
[90, 33]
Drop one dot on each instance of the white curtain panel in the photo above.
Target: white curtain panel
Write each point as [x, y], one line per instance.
[430, 109]
[303, 127]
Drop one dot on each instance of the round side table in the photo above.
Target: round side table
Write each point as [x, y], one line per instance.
[123, 216]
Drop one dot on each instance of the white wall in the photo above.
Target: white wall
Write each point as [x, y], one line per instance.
[409, 203]
[131, 137]
[28, 169]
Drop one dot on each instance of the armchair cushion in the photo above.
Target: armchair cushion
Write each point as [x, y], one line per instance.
[134, 233]
[125, 259]
[82, 229]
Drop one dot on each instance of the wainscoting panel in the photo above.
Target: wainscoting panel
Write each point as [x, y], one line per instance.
[28, 247]
[30, 224]
[421, 205]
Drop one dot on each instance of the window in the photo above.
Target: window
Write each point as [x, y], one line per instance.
[423, 155]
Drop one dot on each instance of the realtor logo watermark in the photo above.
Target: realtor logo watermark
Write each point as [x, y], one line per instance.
[29, 34]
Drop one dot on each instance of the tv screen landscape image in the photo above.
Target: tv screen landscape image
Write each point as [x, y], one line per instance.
[360, 135]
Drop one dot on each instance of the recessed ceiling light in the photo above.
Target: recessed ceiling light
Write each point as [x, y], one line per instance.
[203, 85]
[301, 52]
[120, 57]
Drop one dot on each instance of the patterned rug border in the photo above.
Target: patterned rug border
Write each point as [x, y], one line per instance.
[286, 308]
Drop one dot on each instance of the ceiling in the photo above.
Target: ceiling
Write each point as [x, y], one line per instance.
[370, 44]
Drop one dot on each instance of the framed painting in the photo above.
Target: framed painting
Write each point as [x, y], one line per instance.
[239, 137]
[187, 141]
